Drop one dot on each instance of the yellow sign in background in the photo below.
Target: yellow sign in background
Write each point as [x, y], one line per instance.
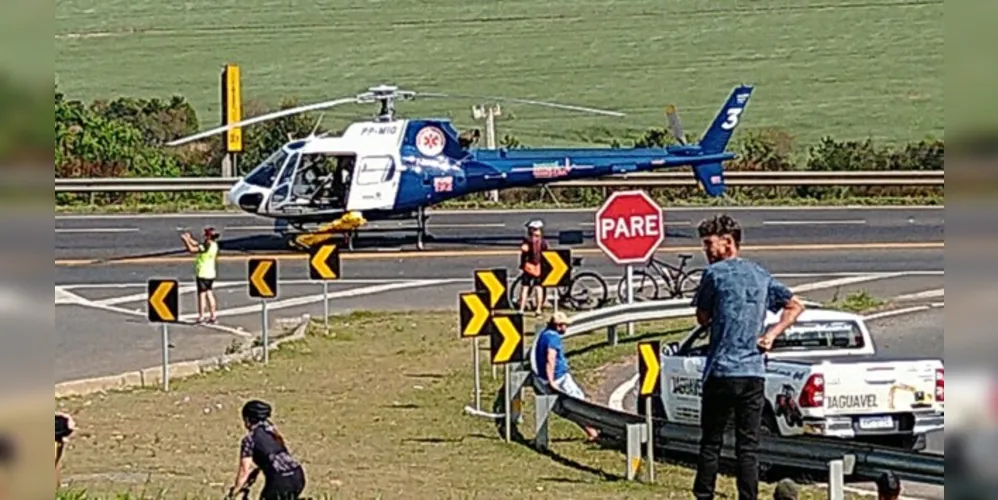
[232, 108]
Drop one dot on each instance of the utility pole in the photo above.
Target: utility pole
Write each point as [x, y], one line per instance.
[489, 112]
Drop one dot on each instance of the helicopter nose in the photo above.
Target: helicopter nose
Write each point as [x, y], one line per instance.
[234, 192]
[241, 195]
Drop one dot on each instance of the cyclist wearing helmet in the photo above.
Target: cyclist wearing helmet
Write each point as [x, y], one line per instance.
[263, 450]
[530, 264]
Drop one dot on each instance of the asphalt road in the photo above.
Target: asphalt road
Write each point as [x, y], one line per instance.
[79, 239]
[100, 321]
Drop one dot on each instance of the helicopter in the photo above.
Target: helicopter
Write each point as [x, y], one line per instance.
[395, 168]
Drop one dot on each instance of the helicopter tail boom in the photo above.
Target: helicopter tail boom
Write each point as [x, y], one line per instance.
[715, 138]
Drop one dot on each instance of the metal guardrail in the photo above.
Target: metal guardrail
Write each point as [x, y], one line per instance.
[651, 179]
[863, 461]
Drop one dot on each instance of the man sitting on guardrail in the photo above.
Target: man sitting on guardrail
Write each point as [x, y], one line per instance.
[552, 366]
[731, 301]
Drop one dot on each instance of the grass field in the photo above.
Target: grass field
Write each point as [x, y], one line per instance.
[844, 68]
[373, 410]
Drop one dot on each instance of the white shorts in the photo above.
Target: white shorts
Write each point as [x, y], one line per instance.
[567, 385]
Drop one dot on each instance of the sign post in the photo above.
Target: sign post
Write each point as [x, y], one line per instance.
[506, 343]
[163, 306]
[629, 229]
[324, 265]
[262, 277]
[556, 271]
[473, 319]
[650, 387]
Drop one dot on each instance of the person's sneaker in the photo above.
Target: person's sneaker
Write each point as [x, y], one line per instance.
[212, 321]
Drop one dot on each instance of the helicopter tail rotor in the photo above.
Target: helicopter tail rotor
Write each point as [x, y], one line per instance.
[675, 126]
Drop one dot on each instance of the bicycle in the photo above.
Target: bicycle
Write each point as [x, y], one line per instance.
[678, 282]
[585, 291]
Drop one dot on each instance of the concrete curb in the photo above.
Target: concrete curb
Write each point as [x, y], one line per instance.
[153, 376]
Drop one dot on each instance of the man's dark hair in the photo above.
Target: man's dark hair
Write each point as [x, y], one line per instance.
[889, 484]
[721, 225]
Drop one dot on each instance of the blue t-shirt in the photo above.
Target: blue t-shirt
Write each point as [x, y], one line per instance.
[550, 339]
[737, 292]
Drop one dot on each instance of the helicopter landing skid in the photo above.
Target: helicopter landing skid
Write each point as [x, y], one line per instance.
[303, 236]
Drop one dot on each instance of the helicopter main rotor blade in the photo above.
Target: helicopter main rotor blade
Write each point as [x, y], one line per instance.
[525, 101]
[262, 118]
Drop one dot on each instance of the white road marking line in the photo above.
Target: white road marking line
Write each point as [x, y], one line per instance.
[345, 281]
[906, 310]
[812, 222]
[927, 294]
[666, 222]
[208, 215]
[222, 328]
[618, 394]
[243, 228]
[96, 229]
[852, 280]
[311, 299]
[64, 297]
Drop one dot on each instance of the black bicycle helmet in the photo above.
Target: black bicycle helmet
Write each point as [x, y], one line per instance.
[256, 411]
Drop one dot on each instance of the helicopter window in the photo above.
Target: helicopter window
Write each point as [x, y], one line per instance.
[264, 174]
[289, 169]
[375, 170]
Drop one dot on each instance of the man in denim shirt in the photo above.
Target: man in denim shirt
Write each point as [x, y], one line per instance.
[732, 300]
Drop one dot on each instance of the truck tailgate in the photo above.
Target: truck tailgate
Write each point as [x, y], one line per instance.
[879, 387]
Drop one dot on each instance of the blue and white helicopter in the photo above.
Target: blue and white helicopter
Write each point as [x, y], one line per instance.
[391, 168]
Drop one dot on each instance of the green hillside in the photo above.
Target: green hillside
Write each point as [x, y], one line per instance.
[822, 67]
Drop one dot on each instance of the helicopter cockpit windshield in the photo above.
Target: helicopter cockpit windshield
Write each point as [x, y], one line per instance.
[265, 174]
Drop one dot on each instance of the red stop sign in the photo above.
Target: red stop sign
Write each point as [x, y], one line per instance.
[629, 227]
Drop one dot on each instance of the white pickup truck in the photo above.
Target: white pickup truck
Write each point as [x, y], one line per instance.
[823, 378]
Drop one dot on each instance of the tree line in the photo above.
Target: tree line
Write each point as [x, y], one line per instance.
[124, 138]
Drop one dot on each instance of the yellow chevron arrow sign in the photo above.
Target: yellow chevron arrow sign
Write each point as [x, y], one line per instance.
[555, 267]
[324, 263]
[262, 278]
[493, 282]
[473, 314]
[649, 368]
[164, 303]
[507, 338]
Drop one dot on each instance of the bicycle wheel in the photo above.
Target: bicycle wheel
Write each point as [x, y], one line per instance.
[514, 295]
[645, 287]
[689, 283]
[588, 291]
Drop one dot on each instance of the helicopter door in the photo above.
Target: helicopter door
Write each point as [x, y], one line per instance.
[281, 195]
[374, 185]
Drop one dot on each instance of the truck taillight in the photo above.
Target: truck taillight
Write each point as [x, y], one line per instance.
[812, 395]
[940, 385]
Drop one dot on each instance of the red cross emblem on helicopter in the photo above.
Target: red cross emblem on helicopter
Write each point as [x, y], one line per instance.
[430, 141]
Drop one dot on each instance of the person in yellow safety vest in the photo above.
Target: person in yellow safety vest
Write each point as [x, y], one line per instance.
[530, 264]
[205, 270]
